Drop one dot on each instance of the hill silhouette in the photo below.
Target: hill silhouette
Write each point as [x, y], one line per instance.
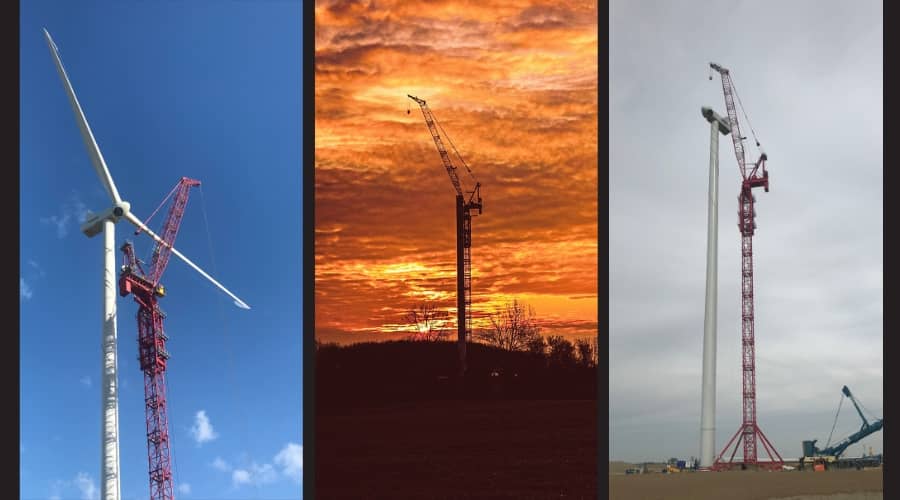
[375, 373]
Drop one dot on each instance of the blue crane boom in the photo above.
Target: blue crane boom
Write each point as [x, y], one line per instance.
[809, 447]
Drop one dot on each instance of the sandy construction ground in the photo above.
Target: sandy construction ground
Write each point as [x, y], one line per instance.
[749, 485]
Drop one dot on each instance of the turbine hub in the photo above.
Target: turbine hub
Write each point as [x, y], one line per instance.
[121, 209]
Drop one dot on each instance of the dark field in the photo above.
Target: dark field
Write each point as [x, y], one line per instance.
[459, 449]
[749, 485]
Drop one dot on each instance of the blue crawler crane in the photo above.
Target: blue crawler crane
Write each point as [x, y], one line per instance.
[832, 454]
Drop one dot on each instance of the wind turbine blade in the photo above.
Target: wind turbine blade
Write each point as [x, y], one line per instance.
[86, 134]
[137, 222]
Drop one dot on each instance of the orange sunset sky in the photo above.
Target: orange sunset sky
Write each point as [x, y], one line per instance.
[514, 85]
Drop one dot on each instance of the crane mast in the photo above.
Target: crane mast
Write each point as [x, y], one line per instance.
[464, 211]
[751, 177]
[152, 353]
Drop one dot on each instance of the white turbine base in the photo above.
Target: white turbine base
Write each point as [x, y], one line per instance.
[109, 439]
[708, 384]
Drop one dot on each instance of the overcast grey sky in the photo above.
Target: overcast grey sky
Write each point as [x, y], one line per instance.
[810, 76]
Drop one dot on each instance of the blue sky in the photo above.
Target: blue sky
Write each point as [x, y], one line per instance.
[209, 90]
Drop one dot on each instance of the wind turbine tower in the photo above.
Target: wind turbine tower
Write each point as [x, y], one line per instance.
[110, 488]
[717, 125]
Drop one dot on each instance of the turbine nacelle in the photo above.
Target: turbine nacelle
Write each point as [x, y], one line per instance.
[93, 224]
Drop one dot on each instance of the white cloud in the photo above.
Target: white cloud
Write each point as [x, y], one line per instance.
[79, 210]
[55, 488]
[86, 486]
[74, 209]
[220, 464]
[25, 291]
[34, 264]
[85, 381]
[289, 463]
[290, 459]
[256, 474]
[60, 222]
[184, 488]
[202, 430]
[263, 473]
[240, 476]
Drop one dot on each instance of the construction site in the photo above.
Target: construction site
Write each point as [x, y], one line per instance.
[749, 434]
[791, 396]
[124, 404]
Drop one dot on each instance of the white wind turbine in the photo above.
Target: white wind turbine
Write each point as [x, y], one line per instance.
[105, 222]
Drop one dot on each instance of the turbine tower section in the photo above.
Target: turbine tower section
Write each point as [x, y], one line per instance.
[718, 125]
[153, 356]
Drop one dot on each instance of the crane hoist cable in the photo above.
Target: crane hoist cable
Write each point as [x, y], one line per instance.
[230, 376]
[137, 231]
[731, 95]
[454, 149]
[444, 133]
[835, 421]
[870, 412]
[744, 111]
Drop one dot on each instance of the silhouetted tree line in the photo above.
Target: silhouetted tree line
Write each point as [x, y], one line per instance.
[387, 372]
[508, 360]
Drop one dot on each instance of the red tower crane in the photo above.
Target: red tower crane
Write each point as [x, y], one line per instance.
[153, 356]
[753, 175]
[464, 211]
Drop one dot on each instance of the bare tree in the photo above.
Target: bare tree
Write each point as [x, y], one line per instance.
[587, 351]
[562, 352]
[513, 327]
[537, 345]
[430, 323]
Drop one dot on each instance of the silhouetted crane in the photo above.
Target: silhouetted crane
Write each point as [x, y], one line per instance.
[464, 211]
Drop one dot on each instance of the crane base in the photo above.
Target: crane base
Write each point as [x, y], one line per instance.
[775, 461]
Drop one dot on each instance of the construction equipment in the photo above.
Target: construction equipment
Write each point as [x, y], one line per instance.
[146, 290]
[93, 225]
[832, 454]
[753, 175]
[464, 212]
